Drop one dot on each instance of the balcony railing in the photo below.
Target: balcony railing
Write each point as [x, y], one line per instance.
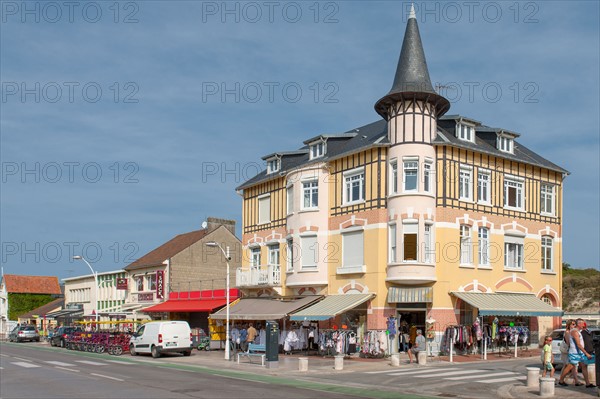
[261, 276]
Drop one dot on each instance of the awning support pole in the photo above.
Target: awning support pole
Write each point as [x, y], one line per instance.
[516, 342]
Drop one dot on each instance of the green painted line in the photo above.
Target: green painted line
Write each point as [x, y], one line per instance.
[252, 377]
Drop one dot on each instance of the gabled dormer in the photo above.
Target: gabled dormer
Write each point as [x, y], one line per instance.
[464, 128]
[280, 162]
[505, 141]
[273, 164]
[318, 148]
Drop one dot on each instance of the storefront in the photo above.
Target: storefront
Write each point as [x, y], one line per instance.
[412, 305]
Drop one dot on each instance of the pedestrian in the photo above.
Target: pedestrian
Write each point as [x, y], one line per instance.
[251, 334]
[564, 355]
[243, 338]
[547, 357]
[588, 345]
[577, 354]
[417, 347]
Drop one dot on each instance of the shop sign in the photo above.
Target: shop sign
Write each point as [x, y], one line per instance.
[160, 284]
[147, 296]
[122, 283]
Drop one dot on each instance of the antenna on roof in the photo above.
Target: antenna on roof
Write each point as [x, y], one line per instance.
[204, 224]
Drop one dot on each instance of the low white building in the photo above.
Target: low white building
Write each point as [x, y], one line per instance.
[111, 294]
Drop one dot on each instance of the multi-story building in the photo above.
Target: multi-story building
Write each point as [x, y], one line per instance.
[438, 217]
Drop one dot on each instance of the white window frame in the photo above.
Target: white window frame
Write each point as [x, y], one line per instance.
[139, 283]
[274, 255]
[289, 255]
[466, 245]
[429, 252]
[547, 197]
[273, 165]
[483, 250]
[394, 176]
[151, 281]
[290, 199]
[310, 187]
[465, 183]
[410, 165]
[410, 228]
[392, 243]
[255, 257]
[518, 185]
[318, 149]
[484, 187]
[465, 132]
[547, 253]
[427, 174]
[505, 144]
[513, 255]
[264, 219]
[349, 178]
[309, 251]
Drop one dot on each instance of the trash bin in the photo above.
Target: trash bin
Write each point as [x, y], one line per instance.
[272, 345]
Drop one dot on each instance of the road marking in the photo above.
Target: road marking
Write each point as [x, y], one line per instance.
[502, 380]
[441, 375]
[91, 363]
[119, 362]
[3, 355]
[1, 368]
[381, 372]
[26, 365]
[20, 358]
[57, 363]
[481, 376]
[64, 368]
[417, 371]
[245, 379]
[106, 376]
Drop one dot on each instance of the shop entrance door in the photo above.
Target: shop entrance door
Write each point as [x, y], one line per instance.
[410, 320]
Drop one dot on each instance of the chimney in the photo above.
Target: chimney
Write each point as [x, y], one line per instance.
[214, 223]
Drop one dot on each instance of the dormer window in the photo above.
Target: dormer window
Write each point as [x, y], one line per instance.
[505, 144]
[465, 132]
[273, 165]
[317, 150]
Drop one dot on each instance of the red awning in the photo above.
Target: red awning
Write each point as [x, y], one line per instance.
[189, 305]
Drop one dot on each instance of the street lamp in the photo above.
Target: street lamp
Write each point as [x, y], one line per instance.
[95, 273]
[228, 258]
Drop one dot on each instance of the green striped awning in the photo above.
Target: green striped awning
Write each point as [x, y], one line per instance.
[331, 306]
[507, 304]
[410, 295]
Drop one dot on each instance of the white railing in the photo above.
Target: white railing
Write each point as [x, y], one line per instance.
[266, 275]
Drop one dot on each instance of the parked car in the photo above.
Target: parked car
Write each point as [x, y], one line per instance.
[24, 333]
[158, 337]
[557, 337]
[60, 335]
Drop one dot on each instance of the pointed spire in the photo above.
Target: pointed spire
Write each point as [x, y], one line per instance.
[412, 75]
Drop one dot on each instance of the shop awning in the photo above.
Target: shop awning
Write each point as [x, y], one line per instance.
[65, 313]
[410, 295]
[263, 308]
[188, 305]
[331, 306]
[507, 304]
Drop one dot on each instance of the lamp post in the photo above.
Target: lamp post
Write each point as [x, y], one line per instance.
[95, 273]
[227, 258]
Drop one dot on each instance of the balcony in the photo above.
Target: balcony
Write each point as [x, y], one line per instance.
[261, 276]
[410, 273]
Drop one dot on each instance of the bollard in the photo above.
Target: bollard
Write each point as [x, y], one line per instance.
[592, 373]
[422, 358]
[533, 377]
[396, 359]
[547, 387]
[303, 363]
[339, 362]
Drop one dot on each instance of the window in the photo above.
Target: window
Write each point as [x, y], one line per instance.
[310, 193]
[354, 182]
[139, 283]
[392, 243]
[465, 245]
[411, 172]
[465, 184]
[264, 210]
[465, 132]
[427, 177]
[429, 251]
[273, 255]
[410, 241]
[547, 253]
[483, 187]
[317, 150]
[547, 299]
[310, 252]
[513, 193]
[353, 249]
[547, 199]
[273, 165]
[484, 246]
[513, 255]
[505, 144]
[151, 282]
[255, 258]
[394, 177]
[290, 255]
[466, 313]
[290, 199]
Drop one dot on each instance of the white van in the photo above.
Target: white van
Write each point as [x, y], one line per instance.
[159, 337]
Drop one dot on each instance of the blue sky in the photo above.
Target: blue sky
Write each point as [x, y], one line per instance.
[124, 126]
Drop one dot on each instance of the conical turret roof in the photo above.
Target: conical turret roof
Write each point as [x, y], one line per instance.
[412, 75]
